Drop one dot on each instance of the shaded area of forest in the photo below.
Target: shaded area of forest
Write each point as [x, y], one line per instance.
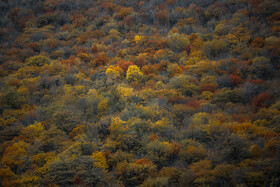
[139, 93]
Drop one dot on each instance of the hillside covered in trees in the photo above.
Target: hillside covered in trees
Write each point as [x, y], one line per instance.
[140, 93]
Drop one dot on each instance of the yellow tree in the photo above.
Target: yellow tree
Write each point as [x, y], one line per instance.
[114, 71]
[15, 154]
[102, 107]
[134, 73]
[100, 160]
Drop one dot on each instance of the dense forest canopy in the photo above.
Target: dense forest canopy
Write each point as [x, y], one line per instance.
[140, 93]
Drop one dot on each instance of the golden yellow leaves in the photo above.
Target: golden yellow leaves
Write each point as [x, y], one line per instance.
[114, 71]
[137, 38]
[100, 160]
[125, 92]
[133, 73]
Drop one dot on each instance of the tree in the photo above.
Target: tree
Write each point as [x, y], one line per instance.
[115, 71]
[262, 100]
[257, 42]
[226, 95]
[173, 69]
[158, 181]
[11, 98]
[132, 174]
[202, 172]
[164, 128]
[191, 151]
[38, 60]
[158, 152]
[78, 171]
[234, 149]
[224, 173]
[262, 67]
[100, 60]
[133, 73]
[124, 65]
[15, 156]
[102, 107]
[8, 177]
[178, 41]
[215, 48]
[30, 133]
[66, 120]
[100, 160]
[125, 11]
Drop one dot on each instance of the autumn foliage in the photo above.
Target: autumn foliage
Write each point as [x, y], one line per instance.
[139, 93]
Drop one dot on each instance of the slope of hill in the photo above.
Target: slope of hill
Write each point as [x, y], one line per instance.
[139, 93]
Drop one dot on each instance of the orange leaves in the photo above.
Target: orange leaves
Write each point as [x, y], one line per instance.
[256, 3]
[175, 148]
[247, 129]
[236, 80]
[255, 151]
[273, 45]
[79, 20]
[125, 11]
[131, 95]
[85, 37]
[173, 69]
[94, 49]
[162, 16]
[109, 6]
[129, 20]
[84, 56]
[193, 104]
[243, 128]
[271, 145]
[208, 87]
[33, 45]
[78, 130]
[150, 69]
[224, 170]
[143, 161]
[174, 30]
[172, 173]
[98, 33]
[257, 42]
[15, 82]
[124, 65]
[191, 151]
[261, 99]
[134, 174]
[7, 177]
[274, 21]
[101, 59]
[202, 168]
[257, 81]
[153, 137]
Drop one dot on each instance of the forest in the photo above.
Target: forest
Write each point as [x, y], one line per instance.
[151, 93]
